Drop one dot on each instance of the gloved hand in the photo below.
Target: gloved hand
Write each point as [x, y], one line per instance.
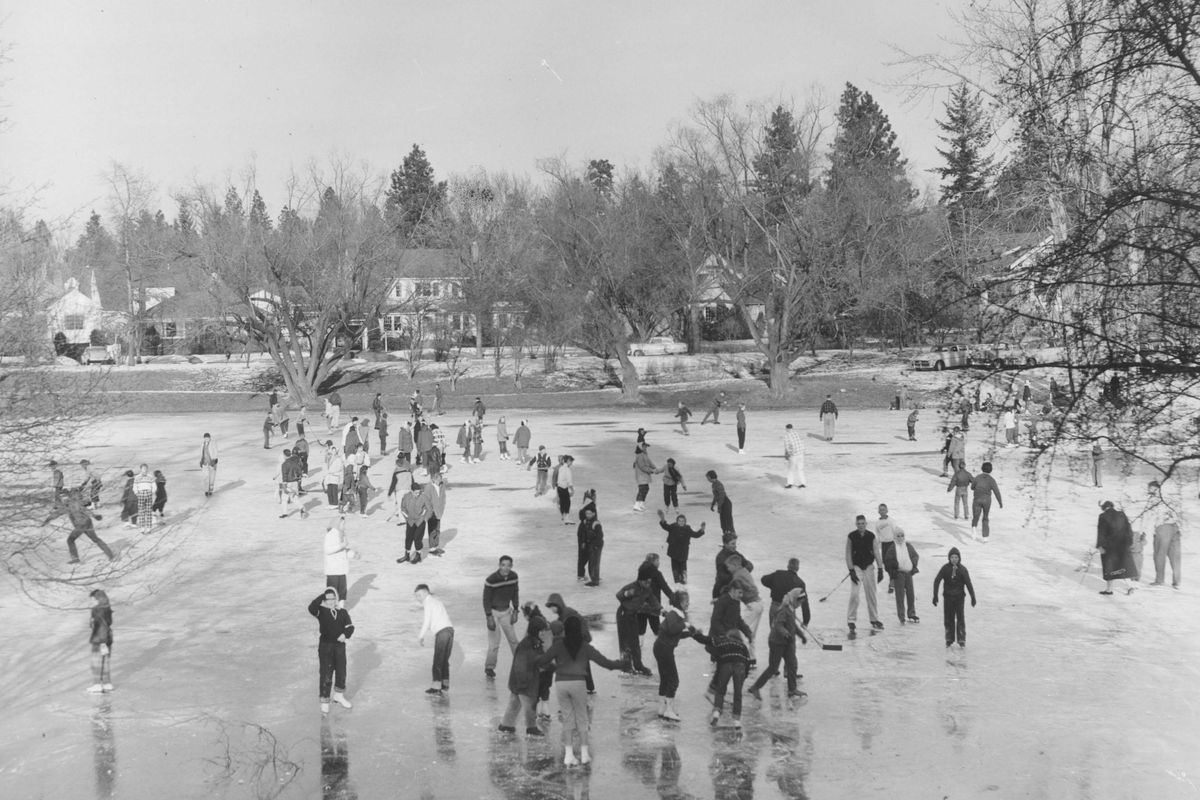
[972, 602]
[879, 577]
[513, 618]
[935, 601]
[491, 622]
[854, 577]
[803, 638]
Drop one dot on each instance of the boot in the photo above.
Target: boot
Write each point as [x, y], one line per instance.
[670, 712]
[341, 700]
[584, 756]
[662, 707]
[569, 759]
[638, 505]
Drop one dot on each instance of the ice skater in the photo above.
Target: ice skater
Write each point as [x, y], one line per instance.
[793, 454]
[643, 472]
[1114, 536]
[160, 494]
[861, 553]
[741, 428]
[208, 463]
[679, 543]
[415, 509]
[674, 628]
[501, 607]
[714, 409]
[542, 461]
[143, 490]
[672, 482]
[957, 581]
[335, 629]
[564, 483]
[828, 416]
[524, 679]
[81, 517]
[733, 659]
[635, 599]
[437, 622]
[683, 414]
[912, 424]
[720, 502]
[983, 487]
[960, 483]
[101, 639]
[1168, 535]
[502, 438]
[781, 642]
[337, 559]
[901, 563]
[435, 492]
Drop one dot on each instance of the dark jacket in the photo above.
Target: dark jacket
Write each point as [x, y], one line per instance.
[524, 675]
[564, 611]
[726, 616]
[957, 579]
[780, 582]
[102, 618]
[638, 599]
[334, 622]
[672, 629]
[679, 539]
[658, 584]
[567, 668]
[500, 592]
[784, 627]
[891, 563]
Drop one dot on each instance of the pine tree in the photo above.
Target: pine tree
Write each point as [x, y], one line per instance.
[781, 170]
[184, 223]
[233, 203]
[600, 176]
[414, 198]
[968, 169]
[258, 212]
[865, 144]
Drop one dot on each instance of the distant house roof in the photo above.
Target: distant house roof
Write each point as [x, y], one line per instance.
[427, 263]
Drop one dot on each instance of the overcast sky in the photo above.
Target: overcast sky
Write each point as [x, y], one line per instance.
[195, 91]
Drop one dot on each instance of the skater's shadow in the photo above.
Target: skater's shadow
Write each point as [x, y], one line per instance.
[447, 536]
[903, 438]
[817, 437]
[934, 472]
[465, 485]
[366, 660]
[774, 480]
[231, 485]
[147, 656]
[360, 587]
[507, 488]
[731, 447]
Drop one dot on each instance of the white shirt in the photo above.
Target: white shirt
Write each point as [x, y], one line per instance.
[564, 477]
[1009, 421]
[337, 557]
[885, 529]
[436, 618]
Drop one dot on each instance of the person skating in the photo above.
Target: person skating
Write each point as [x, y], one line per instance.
[404, 443]
[335, 629]
[143, 490]
[502, 438]
[81, 517]
[672, 482]
[984, 486]
[437, 622]
[101, 640]
[793, 454]
[885, 535]
[415, 509]
[524, 679]
[729, 542]
[268, 427]
[635, 598]
[956, 449]
[592, 533]
[208, 463]
[679, 543]
[900, 561]
[683, 414]
[861, 552]
[957, 582]
[439, 398]
[129, 501]
[542, 461]
[571, 658]
[1009, 420]
[289, 482]
[381, 425]
[300, 448]
[781, 642]
[714, 409]
[477, 440]
[1114, 536]
[752, 606]
[423, 441]
[337, 559]
[741, 428]
[581, 556]
[733, 660]
[302, 421]
[478, 409]
[720, 502]
[674, 628]
[57, 482]
[501, 606]
[1166, 526]
[160, 494]
[660, 588]
[90, 488]
[912, 424]
[564, 483]
[521, 439]
[377, 407]
[960, 483]
[828, 416]
[335, 411]
[643, 471]
[335, 467]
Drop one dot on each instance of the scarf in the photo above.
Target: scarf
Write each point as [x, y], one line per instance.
[902, 560]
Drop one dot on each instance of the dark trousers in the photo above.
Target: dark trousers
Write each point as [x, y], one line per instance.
[404, 457]
[382, 443]
[582, 560]
[670, 495]
[912, 432]
[594, 561]
[413, 536]
[726, 671]
[905, 598]
[668, 673]
[332, 492]
[628, 639]
[725, 511]
[980, 508]
[363, 492]
[956, 623]
[776, 653]
[643, 491]
[647, 620]
[337, 582]
[564, 500]
[332, 658]
[741, 438]
[679, 569]
[443, 643]
[90, 533]
[434, 528]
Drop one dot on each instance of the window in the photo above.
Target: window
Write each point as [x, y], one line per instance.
[170, 329]
[73, 322]
[394, 323]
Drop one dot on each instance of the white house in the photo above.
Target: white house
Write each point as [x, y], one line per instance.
[76, 314]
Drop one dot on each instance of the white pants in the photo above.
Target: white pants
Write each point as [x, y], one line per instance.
[751, 614]
[795, 470]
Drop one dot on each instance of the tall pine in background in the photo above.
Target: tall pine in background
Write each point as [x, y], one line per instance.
[968, 168]
[414, 199]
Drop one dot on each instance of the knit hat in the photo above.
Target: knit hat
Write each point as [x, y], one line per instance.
[645, 572]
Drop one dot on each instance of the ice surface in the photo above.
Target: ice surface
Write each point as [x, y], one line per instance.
[1060, 693]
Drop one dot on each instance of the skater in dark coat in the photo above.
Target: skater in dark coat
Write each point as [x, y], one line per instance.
[958, 583]
[160, 493]
[1114, 537]
[679, 543]
[129, 501]
[524, 679]
[674, 628]
[900, 561]
[101, 639]
[336, 628]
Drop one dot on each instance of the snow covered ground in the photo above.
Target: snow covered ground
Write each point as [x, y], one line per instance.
[1061, 693]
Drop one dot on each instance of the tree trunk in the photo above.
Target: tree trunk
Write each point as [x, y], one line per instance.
[780, 373]
[630, 383]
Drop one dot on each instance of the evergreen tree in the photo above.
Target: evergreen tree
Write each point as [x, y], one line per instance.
[184, 222]
[233, 203]
[258, 212]
[968, 168]
[865, 144]
[414, 198]
[600, 176]
[781, 170]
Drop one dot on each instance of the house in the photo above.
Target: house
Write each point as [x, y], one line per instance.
[426, 302]
[76, 315]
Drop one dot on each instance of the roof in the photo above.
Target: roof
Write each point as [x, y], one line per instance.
[427, 263]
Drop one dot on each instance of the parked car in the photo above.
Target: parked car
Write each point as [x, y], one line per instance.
[947, 356]
[657, 346]
[1040, 352]
[96, 355]
[994, 356]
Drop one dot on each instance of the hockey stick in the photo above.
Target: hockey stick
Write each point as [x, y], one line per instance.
[1087, 566]
[826, 597]
[824, 646]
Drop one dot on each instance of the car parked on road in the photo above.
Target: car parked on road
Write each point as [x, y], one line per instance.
[657, 346]
[96, 355]
[946, 356]
[994, 356]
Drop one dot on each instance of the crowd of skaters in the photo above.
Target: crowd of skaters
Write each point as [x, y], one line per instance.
[556, 643]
